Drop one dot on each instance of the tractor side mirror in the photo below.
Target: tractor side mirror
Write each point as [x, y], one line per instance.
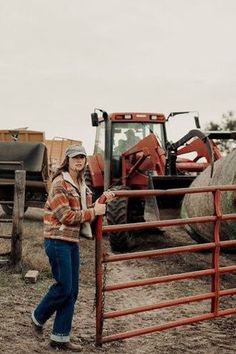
[95, 120]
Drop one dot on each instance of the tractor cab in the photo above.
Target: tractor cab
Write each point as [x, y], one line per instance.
[119, 132]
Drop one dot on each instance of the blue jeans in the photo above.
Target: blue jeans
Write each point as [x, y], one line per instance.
[64, 259]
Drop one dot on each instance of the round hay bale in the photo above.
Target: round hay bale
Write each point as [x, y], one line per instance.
[201, 204]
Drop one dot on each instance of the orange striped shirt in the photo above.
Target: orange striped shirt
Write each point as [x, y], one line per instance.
[63, 213]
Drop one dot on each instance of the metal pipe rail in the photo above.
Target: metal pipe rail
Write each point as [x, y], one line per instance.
[102, 258]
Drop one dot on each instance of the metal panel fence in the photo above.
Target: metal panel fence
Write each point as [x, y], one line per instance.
[215, 272]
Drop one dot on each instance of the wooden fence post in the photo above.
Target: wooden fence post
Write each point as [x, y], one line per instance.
[17, 217]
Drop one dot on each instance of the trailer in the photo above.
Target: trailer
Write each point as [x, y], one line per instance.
[23, 149]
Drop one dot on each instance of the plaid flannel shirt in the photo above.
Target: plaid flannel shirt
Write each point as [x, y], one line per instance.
[63, 214]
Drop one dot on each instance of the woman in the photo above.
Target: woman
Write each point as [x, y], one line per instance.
[66, 214]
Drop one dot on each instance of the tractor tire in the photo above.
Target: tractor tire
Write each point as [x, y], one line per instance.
[117, 214]
[8, 209]
[88, 180]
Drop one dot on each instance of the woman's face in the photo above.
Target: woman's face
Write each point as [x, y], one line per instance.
[77, 163]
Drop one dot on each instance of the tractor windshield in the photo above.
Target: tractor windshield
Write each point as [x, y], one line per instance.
[125, 135]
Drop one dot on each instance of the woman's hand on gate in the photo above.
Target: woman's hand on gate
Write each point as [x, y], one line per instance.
[99, 209]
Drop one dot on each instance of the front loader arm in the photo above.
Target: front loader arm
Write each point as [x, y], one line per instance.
[198, 142]
[146, 155]
[201, 145]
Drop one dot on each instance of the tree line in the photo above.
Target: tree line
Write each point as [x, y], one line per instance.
[228, 123]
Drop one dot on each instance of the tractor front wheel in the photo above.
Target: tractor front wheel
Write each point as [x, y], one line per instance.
[117, 214]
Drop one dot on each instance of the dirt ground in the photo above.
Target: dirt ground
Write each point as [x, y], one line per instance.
[17, 299]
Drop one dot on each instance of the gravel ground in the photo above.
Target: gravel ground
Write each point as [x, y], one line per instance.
[17, 299]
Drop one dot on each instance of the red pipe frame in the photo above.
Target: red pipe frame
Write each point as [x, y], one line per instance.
[102, 257]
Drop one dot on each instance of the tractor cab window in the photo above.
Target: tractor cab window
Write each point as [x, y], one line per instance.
[126, 135]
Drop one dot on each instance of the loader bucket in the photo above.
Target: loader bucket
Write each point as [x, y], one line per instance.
[171, 182]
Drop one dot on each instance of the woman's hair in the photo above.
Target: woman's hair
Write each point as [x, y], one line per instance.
[64, 167]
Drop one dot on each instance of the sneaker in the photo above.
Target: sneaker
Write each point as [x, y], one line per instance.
[67, 346]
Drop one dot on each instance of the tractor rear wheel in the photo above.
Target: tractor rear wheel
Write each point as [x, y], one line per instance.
[117, 211]
[88, 181]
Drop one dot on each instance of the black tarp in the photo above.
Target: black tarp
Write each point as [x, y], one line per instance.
[32, 156]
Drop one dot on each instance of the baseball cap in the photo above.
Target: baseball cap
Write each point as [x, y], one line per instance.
[74, 150]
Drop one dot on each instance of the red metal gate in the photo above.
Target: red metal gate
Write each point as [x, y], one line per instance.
[103, 258]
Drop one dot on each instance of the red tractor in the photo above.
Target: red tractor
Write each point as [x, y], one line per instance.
[132, 151]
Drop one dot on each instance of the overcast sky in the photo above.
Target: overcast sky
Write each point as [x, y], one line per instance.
[61, 58]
